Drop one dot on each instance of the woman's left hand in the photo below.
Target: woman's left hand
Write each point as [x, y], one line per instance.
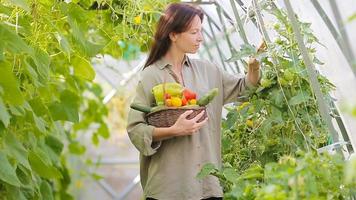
[254, 65]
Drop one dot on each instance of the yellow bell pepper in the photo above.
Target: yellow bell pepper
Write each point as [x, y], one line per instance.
[173, 89]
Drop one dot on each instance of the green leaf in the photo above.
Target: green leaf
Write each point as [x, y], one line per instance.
[96, 176]
[53, 156]
[38, 107]
[76, 148]
[103, 131]
[54, 143]
[4, 115]
[246, 50]
[22, 4]
[46, 191]
[96, 89]
[230, 174]
[40, 123]
[12, 42]
[276, 115]
[354, 112]
[83, 69]
[32, 74]
[67, 109]
[7, 171]
[350, 170]
[2, 57]
[95, 139]
[17, 110]
[78, 31]
[16, 149]
[5, 10]
[24, 175]
[42, 166]
[63, 42]
[12, 93]
[298, 99]
[352, 17]
[206, 170]
[14, 193]
[42, 61]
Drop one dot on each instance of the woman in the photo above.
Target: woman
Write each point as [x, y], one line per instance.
[170, 158]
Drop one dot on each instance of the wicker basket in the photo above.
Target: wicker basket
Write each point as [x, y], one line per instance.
[167, 117]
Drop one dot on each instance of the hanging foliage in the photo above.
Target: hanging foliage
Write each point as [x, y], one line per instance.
[47, 94]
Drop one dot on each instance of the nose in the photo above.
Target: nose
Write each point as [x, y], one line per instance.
[200, 36]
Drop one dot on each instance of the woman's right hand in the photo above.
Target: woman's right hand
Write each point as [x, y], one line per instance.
[184, 126]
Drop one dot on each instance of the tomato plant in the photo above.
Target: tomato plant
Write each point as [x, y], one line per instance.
[263, 140]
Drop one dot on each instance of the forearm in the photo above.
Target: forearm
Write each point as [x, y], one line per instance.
[162, 133]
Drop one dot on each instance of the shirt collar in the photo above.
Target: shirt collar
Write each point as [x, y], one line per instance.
[162, 62]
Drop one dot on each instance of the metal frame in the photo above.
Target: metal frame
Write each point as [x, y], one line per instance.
[338, 38]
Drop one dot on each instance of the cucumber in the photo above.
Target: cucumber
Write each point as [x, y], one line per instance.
[140, 107]
[208, 97]
[147, 109]
[158, 108]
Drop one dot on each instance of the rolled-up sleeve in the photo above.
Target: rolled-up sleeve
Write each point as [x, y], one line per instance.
[236, 87]
[140, 133]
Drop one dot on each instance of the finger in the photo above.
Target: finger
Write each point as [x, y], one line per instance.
[262, 46]
[252, 60]
[202, 123]
[198, 116]
[185, 114]
[195, 131]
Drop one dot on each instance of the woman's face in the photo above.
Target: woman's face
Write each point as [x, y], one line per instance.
[189, 41]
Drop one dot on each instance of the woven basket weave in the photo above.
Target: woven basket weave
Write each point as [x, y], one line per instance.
[167, 117]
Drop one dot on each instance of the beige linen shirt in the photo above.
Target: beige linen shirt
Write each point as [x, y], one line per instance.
[168, 168]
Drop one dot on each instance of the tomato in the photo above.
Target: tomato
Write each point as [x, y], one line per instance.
[169, 102]
[193, 102]
[288, 75]
[283, 81]
[167, 96]
[184, 102]
[249, 123]
[266, 83]
[176, 102]
[188, 94]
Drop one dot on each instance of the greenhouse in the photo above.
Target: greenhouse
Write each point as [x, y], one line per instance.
[177, 100]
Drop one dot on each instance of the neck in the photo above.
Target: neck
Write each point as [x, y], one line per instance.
[175, 57]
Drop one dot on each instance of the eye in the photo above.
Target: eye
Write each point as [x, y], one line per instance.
[195, 31]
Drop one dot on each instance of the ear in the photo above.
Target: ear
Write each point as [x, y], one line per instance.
[173, 36]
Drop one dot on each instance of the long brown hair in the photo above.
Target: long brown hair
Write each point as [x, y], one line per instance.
[177, 19]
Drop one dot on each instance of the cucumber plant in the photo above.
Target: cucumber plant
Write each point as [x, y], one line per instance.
[48, 97]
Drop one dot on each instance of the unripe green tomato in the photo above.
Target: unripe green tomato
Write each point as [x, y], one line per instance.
[283, 81]
[288, 75]
[266, 83]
